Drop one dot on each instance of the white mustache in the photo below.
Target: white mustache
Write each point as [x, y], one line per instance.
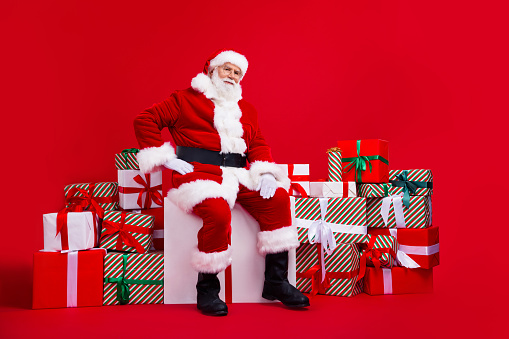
[229, 80]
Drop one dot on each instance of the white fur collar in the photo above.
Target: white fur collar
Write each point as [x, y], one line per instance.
[203, 84]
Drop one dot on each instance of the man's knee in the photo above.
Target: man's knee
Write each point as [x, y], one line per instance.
[281, 199]
[214, 210]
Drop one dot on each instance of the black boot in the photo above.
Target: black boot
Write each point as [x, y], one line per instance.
[276, 284]
[208, 301]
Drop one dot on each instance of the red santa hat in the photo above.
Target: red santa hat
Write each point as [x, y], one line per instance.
[226, 55]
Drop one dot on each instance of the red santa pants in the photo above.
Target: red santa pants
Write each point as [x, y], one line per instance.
[215, 235]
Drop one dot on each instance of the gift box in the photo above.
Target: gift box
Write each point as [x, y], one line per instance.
[98, 197]
[398, 280]
[391, 212]
[138, 190]
[127, 159]
[365, 161]
[416, 182]
[332, 189]
[158, 230]
[330, 220]
[335, 164]
[338, 273]
[132, 278]
[417, 247]
[67, 230]
[299, 177]
[71, 279]
[380, 250]
[129, 232]
[241, 282]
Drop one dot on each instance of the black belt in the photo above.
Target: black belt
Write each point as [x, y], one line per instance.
[204, 156]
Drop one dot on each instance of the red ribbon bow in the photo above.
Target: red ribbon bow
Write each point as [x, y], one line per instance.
[87, 200]
[123, 231]
[152, 192]
[375, 254]
[294, 185]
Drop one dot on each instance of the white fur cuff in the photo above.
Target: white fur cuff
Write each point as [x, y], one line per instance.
[280, 240]
[211, 262]
[152, 158]
[258, 168]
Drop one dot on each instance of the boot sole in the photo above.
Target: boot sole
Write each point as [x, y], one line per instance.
[270, 297]
[216, 313]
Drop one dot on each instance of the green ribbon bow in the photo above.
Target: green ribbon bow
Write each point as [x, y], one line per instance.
[123, 283]
[359, 162]
[130, 150]
[409, 187]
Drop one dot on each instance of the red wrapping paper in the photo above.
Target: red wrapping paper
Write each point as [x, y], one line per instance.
[404, 281]
[369, 147]
[50, 279]
[415, 237]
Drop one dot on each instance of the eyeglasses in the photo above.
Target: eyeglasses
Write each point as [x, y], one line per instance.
[228, 70]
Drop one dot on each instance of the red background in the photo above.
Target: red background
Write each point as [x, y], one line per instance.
[429, 77]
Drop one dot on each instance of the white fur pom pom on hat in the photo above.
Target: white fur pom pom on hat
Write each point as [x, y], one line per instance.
[226, 55]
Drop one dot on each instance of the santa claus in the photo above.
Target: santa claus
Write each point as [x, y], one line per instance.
[221, 159]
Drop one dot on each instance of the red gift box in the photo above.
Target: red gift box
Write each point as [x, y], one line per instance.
[421, 245]
[72, 279]
[398, 280]
[365, 161]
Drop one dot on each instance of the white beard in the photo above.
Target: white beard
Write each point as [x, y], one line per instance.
[225, 91]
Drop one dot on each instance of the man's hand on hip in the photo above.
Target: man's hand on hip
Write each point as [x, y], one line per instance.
[267, 186]
[181, 166]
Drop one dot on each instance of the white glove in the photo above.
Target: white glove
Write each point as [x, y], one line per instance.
[181, 166]
[267, 186]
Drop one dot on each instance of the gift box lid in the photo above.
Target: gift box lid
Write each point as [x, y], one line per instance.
[127, 159]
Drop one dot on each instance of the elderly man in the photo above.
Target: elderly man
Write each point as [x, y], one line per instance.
[217, 134]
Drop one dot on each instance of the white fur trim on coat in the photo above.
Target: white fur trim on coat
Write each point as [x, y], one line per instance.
[258, 168]
[152, 158]
[211, 262]
[280, 240]
[232, 57]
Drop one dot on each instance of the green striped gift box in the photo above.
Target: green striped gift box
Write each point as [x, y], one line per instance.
[384, 190]
[141, 230]
[133, 278]
[105, 193]
[381, 247]
[417, 215]
[127, 159]
[345, 216]
[335, 164]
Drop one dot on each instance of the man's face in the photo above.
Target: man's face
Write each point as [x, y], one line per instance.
[229, 72]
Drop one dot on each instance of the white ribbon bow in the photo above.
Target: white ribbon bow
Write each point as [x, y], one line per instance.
[397, 202]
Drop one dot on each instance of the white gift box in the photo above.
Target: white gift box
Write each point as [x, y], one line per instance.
[126, 183]
[80, 231]
[333, 189]
[247, 268]
[296, 172]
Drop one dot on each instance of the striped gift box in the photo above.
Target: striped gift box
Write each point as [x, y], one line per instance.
[380, 249]
[127, 160]
[387, 189]
[342, 270]
[346, 217]
[133, 278]
[105, 193]
[417, 215]
[117, 233]
[335, 164]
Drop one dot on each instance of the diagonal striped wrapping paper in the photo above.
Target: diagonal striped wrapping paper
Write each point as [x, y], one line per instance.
[145, 267]
[107, 190]
[335, 164]
[386, 189]
[344, 260]
[133, 219]
[340, 212]
[385, 243]
[418, 215]
[126, 161]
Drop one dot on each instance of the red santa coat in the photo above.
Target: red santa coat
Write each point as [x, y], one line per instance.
[198, 117]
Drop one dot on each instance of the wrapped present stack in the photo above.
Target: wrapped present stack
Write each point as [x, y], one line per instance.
[96, 249]
[366, 228]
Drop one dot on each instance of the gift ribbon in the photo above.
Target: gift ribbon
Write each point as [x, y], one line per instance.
[152, 193]
[295, 185]
[123, 283]
[375, 254]
[396, 201]
[387, 280]
[87, 200]
[124, 237]
[409, 187]
[72, 279]
[62, 228]
[358, 163]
